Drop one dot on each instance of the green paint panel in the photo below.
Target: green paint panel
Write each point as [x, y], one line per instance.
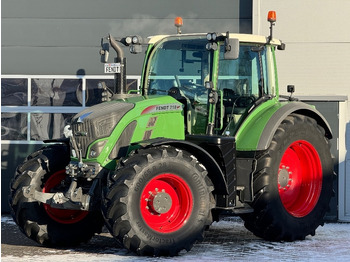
[158, 116]
[248, 135]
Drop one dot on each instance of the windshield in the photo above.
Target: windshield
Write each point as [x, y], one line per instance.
[178, 63]
[180, 68]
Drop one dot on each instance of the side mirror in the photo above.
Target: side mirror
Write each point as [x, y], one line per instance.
[231, 48]
[104, 52]
[290, 89]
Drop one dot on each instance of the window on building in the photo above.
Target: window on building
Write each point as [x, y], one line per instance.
[14, 92]
[36, 108]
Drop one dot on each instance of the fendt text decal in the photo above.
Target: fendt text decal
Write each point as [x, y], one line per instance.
[162, 108]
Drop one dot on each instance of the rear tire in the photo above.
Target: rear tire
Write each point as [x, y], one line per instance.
[159, 202]
[45, 170]
[292, 183]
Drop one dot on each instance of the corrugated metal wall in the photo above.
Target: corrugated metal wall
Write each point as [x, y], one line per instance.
[51, 37]
[61, 37]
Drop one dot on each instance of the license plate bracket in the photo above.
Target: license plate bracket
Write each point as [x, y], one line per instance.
[112, 68]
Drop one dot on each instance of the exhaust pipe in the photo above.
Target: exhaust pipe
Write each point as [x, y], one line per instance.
[119, 88]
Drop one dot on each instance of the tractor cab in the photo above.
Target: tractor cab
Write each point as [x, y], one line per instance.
[217, 90]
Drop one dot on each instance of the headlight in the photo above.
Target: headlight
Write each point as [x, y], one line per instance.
[67, 131]
[93, 153]
[73, 153]
[135, 40]
[211, 46]
[128, 40]
[97, 148]
[211, 36]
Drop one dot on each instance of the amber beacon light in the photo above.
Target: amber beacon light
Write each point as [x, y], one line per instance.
[271, 17]
[178, 23]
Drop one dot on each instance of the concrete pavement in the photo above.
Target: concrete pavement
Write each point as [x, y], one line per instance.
[226, 240]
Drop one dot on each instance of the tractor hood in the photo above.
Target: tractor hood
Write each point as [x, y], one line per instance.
[119, 123]
[97, 122]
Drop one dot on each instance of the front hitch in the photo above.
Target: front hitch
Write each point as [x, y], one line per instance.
[76, 200]
[73, 198]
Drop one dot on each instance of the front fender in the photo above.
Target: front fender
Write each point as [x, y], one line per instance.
[214, 171]
[258, 129]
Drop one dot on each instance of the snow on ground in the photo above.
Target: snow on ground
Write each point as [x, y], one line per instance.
[7, 220]
[226, 240]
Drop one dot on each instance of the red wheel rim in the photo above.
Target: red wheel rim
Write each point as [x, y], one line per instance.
[166, 203]
[63, 216]
[300, 178]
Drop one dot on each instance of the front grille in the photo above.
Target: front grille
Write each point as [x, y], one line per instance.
[83, 141]
[97, 122]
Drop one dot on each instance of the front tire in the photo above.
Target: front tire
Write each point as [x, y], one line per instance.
[159, 202]
[292, 183]
[45, 170]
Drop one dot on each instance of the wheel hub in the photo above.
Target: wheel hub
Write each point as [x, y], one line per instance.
[284, 178]
[159, 202]
[166, 203]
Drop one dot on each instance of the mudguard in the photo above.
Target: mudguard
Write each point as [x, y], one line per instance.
[259, 127]
[214, 171]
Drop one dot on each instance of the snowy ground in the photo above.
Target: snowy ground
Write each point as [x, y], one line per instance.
[226, 240]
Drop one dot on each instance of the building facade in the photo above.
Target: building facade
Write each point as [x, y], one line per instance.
[51, 66]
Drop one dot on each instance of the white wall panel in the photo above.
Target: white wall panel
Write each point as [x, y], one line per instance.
[306, 20]
[315, 68]
[316, 61]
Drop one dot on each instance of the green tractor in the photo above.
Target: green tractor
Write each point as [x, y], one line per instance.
[206, 135]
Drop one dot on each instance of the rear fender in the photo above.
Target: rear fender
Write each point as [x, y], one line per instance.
[282, 113]
[257, 131]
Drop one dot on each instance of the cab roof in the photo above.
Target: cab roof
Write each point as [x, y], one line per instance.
[244, 38]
